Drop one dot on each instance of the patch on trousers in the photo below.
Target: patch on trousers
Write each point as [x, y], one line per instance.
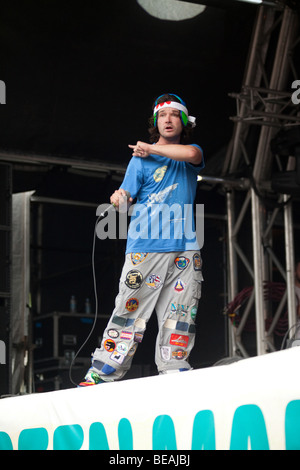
[181, 262]
[117, 357]
[126, 335]
[182, 326]
[109, 345]
[122, 348]
[179, 340]
[179, 286]
[153, 281]
[194, 311]
[165, 352]
[134, 279]
[140, 323]
[138, 337]
[179, 354]
[160, 173]
[106, 369]
[137, 258]
[197, 262]
[113, 333]
[132, 304]
[171, 324]
[121, 321]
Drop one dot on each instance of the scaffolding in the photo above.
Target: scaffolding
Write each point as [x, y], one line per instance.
[264, 104]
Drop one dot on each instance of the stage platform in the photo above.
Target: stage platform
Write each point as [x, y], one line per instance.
[250, 404]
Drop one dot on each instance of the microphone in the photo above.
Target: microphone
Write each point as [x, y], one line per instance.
[107, 209]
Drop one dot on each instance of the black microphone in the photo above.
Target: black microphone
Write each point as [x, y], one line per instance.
[110, 208]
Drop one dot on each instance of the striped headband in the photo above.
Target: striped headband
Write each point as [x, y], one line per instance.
[179, 106]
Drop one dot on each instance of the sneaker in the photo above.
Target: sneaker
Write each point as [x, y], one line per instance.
[91, 378]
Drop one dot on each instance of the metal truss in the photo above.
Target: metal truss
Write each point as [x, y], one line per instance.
[263, 106]
[264, 102]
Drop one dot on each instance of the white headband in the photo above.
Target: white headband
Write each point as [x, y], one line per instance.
[179, 106]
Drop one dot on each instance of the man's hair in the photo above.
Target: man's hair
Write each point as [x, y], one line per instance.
[153, 130]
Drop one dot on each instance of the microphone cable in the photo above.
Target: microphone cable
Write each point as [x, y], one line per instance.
[96, 304]
[101, 216]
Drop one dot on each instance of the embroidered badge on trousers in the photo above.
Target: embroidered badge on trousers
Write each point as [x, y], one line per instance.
[165, 352]
[179, 340]
[137, 258]
[113, 333]
[117, 357]
[181, 262]
[179, 354]
[109, 345]
[197, 262]
[179, 286]
[153, 281]
[132, 304]
[134, 279]
[122, 348]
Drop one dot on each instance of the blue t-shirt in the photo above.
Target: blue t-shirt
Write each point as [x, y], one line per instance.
[162, 219]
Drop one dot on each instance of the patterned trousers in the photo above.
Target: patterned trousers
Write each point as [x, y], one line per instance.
[170, 284]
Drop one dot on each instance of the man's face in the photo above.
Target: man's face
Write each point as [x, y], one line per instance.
[169, 123]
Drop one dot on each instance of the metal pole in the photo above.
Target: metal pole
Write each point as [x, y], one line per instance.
[232, 266]
[290, 265]
[79, 164]
[258, 262]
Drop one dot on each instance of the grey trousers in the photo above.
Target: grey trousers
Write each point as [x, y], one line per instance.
[170, 284]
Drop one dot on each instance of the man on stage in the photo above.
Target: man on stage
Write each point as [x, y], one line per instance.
[163, 267]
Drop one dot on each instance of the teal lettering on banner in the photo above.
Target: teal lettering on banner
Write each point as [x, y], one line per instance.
[125, 435]
[292, 425]
[163, 433]
[33, 439]
[69, 437]
[98, 438]
[248, 431]
[203, 437]
[5, 441]
[249, 426]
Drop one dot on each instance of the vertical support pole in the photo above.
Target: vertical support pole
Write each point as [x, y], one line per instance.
[5, 279]
[232, 266]
[258, 265]
[40, 212]
[290, 265]
[55, 334]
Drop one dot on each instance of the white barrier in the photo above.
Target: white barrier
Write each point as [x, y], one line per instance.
[253, 403]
